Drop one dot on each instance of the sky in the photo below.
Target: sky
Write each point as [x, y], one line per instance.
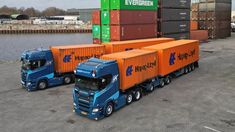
[64, 4]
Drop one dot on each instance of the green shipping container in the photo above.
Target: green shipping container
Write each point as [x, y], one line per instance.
[105, 40]
[105, 5]
[96, 31]
[105, 17]
[105, 33]
[133, 4]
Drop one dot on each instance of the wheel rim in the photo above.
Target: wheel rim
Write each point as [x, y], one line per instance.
[193, 67]
[67, 80]
[168, 81]
[129, 98]
[186, 70]
[42, 85]
[137, 95]
[109, 109]
[162, 84]
[151, 88]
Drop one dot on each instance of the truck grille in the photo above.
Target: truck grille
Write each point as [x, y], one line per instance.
[84, 102]
[23, 76]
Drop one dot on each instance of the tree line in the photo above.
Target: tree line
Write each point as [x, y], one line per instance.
[32, 12]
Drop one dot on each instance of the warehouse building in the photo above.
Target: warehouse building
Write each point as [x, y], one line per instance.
[84, 14]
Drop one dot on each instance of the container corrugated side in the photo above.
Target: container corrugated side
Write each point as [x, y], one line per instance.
[66, 58]
[120, 46]
[120, 17]
[175, 55]
[129, 32]
[135, 66]
[134, 5]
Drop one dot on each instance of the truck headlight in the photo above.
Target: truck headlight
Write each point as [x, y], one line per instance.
[29, 83]
[95, 110]
[75, 71]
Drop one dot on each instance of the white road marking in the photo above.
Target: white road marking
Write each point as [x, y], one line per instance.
[229, 111]
[212, 129]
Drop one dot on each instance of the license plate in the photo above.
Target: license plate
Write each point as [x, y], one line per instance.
[84, 113]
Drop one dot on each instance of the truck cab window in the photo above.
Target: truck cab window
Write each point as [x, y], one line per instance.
[37, 64]
[105, 81]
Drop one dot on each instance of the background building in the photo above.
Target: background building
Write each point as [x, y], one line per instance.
[84, 14]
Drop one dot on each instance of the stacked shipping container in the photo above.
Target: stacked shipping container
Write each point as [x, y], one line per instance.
[126, 20]
[174, 18]
[214, 16]
[129, 19]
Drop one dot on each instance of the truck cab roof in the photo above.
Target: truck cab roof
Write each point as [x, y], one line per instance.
[94, 66]
[35, 54]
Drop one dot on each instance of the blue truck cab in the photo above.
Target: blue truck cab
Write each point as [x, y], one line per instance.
[37, 70]
[96, 93]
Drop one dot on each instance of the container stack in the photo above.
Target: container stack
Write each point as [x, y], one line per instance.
[96, 27]
[174, 19]
[215, 16]
[195, 34]
[125, 20]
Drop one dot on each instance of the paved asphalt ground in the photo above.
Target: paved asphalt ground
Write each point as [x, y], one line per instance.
[201, 101]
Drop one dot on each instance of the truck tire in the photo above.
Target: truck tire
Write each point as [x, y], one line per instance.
[186, 70]
[109, 109]
[162, 83]
[129, 98]
[67, 79]
[192, 67]
[137, 94]
[189, 69]
[42, 85]
[167, 80]
[151, 89]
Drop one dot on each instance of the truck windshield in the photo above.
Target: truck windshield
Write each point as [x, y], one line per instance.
[87, 83]
[93, 83]
[33, 64]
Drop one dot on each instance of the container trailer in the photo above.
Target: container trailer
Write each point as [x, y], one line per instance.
[45, 68]
[107, 84]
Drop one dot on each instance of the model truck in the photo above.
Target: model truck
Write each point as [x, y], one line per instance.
[107, 84]
[45, 68]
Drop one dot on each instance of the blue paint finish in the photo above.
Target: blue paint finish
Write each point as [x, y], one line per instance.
[45, 72]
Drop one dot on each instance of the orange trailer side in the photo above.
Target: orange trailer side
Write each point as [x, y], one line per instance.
[135, 66]
[119, 46]
[175, 55]
[66, 58]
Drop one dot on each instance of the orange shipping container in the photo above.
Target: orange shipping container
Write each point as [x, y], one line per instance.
[66, 58]
[175, 55]
[120, 46]
[193, 25]
[135, 66]
[201, 35]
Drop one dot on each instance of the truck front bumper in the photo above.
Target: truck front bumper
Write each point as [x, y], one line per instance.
[91, 115]
[28, 86]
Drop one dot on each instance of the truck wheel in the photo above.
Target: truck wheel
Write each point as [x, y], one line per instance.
[108, 109]
[192, 67]
[151, 89]
[138, 94]
[42, 85]
[185, 70]
[67, 79]
[167, 80]
[162, 83]
[189, 69]
[129, 98]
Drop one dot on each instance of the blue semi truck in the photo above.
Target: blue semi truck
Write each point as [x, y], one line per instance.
[43, 68]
